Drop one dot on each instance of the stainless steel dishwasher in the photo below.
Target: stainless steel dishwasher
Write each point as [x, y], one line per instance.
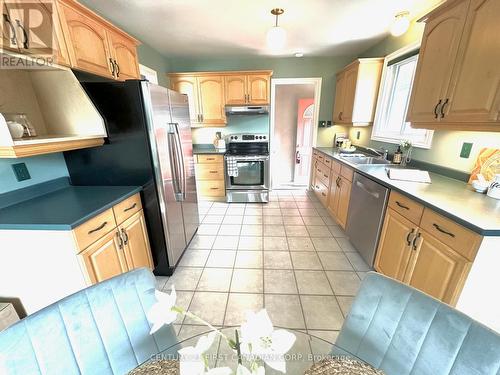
[366, 215]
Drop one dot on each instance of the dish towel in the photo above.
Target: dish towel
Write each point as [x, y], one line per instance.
[232, 167]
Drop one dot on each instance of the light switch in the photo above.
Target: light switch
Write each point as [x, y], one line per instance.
[465, 152]
[21, 171]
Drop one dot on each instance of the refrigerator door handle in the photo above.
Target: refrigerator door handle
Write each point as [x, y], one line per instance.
[180, 156]
[172, 149]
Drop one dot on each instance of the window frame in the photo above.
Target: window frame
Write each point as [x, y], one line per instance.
[377, 131]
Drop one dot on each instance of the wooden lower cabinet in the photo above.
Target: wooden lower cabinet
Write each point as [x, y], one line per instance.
[395, 245]
[135, 242]
[436, 269]
[210, 176]
[104, 259]
[338, 202]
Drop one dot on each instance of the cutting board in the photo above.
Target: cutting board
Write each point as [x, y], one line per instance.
[487, 163]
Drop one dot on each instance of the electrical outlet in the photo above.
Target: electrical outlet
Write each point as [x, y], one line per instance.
[358, 134]
[322, 124]
[21, 171]
[466, 148]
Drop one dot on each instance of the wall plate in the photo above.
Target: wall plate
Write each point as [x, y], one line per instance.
[21, 171]
[465, 152]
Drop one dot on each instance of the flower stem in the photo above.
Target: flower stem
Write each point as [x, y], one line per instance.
[238, 348]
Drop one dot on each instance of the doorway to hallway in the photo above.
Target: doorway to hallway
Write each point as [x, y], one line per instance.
[294, 114]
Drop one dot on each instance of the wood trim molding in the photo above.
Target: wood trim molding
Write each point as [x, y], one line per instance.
[223, 73]
[18, 151]
[458, 126]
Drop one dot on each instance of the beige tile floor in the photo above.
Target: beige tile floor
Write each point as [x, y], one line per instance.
[288, 256]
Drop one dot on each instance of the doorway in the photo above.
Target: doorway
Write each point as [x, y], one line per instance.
[294, 113]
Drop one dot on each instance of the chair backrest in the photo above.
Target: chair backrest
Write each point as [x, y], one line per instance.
[402, 331]
[102, 329]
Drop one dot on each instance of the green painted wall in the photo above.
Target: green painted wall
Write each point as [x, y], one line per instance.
[446, 145]
[305, 67]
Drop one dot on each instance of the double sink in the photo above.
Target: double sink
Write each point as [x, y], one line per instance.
[358, 159]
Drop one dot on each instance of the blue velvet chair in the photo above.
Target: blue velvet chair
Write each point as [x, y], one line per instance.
[100, 330]
[402, 331]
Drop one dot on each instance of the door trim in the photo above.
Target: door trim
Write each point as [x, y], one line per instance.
[316, 81]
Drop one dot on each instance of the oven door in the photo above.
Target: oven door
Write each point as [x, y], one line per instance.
[253, 173]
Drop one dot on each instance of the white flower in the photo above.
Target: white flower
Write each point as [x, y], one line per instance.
[259, 338]
[161, 312]
[242, 370]
[193, 362]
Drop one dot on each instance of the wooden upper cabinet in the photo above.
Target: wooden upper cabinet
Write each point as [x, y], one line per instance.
[394, 248]
[188, 86]
[124, 54]
[104, 259]
[211, 97]
[258, 88]
[250, 88]
[236, 89]
[356, 92]
[436, 269]
[438, 52]
[135, 242]
[474, 93]
[88, 43]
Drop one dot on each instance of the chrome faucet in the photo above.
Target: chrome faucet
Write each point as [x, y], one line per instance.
[382, 152]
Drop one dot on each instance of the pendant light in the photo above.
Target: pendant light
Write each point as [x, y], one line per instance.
[400, 24]
[276, 36]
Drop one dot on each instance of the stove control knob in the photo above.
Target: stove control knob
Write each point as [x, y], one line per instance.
[236, 137]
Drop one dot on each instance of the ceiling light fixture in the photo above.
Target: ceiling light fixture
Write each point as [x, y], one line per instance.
[299, 54]
[401, 23]
[276, 36]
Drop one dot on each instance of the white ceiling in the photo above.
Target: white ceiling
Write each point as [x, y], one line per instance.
[221, 28]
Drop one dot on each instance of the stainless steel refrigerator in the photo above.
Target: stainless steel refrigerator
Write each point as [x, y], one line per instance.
[149, 144]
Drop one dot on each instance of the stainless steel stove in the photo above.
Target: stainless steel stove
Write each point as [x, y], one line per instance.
[247, 168]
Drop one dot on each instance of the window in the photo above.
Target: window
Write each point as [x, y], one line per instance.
[390, 120]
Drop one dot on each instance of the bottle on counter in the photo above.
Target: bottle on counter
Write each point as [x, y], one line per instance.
[398, 156]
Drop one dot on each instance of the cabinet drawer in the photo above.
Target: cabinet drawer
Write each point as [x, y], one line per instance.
[315, 154]
[127, 208]
[202, 159]
[462, 240]
[328, 161]
[336, 167]
[211, 188]
[320, 157]
[321, 191]
[347, 173]
[8, 316]
[95, 228]
[406, 207]
[209, 171]
[323, 173]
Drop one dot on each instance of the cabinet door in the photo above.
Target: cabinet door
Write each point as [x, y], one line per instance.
[436, 269]
[104, 259]
[10, 39]
[124, 52]
[334, 195]
[236, 89]
[351, 76]
[394, 248]
[338, 105]
[211, 91]
[258, 89]
[188, 86]
[136, 242]
[343, 201]
[87, 42]
[435, 64]
[474, 94]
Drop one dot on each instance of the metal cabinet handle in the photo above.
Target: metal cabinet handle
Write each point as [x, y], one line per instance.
[323, 194]
[442, 107]
[130, 208]
[125, 236]
[442, 230]
[98, 228]
[214, 188]
[415, 246]
[26, 43]
[117, 69]
[120, 240]
[13, 38]
[340, 115]
[210, 158]
[317, 187]
[112, 66]
[325, 175]
[408, 239]
[402, 205]
[436, 109]
[213, 172]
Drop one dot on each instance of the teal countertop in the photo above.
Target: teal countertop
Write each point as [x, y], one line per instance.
[449, 197]
[200, 149]
[63, 208]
